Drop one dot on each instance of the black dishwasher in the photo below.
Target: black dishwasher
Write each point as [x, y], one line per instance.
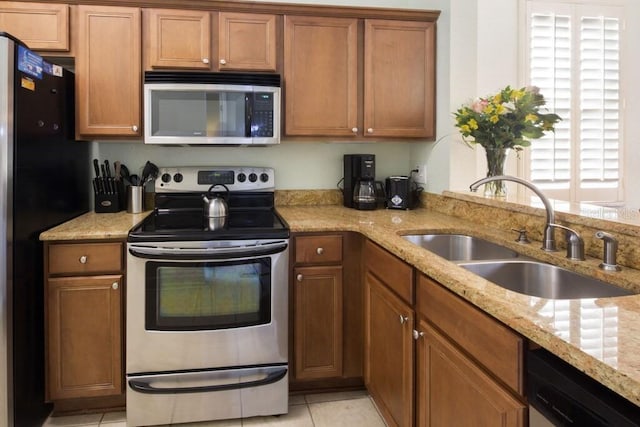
[567, 397]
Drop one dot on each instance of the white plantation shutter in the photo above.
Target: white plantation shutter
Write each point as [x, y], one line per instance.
[574, 58]
[599, 101]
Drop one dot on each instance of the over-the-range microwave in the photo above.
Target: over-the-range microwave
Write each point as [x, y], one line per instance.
[206, 108]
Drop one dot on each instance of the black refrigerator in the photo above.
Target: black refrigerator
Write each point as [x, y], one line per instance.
[44, 179]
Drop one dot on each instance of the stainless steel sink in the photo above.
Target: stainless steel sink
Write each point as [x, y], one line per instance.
[543, 280]
[460, 247]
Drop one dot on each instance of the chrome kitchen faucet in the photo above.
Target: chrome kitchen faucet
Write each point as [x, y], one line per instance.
[575, 244]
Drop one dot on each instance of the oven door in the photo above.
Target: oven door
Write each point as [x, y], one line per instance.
[202, 305]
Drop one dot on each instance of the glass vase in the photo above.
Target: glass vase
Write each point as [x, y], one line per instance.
[496, 159]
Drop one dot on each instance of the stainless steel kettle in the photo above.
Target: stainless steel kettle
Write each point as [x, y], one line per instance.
[216, 207]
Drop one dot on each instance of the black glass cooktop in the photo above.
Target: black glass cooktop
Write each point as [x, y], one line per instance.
[193, 225]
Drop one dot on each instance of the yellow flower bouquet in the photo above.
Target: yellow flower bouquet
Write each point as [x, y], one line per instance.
[510, 119]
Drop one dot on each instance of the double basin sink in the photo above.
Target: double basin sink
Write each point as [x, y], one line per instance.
[513, 271]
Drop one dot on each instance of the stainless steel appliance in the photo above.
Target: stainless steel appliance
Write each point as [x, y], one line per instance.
[361, 190]
[401, 192]
[43, 182]
[207, 306]
[198, 108]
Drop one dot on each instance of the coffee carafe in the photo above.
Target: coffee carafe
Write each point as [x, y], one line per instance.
[364, 194]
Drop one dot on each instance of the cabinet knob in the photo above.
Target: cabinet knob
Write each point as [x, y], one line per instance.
[83, 259]
[114, 285]
[223, 62]
[354, 130]
[320, 251]
[417, 335]
[403, 319]
[134, 128]
[370, 130]
[205, 60]
[299, 277]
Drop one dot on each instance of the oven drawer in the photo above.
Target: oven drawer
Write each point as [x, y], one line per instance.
[318, 249]
[207, 395]
[82, 258]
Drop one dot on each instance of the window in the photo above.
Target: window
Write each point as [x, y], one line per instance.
[574, 58]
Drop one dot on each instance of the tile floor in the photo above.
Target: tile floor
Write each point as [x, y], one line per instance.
[343, 409]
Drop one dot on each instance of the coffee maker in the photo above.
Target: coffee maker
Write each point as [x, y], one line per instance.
[360, 188]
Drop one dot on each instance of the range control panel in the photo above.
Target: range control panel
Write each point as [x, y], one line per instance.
[201, 178]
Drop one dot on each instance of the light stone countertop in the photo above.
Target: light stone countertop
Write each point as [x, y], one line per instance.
[598, 336]
[95, 226]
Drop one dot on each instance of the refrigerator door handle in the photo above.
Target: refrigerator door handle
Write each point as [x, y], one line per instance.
[145, 384]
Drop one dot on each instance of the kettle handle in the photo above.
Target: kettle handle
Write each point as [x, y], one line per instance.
[216, 185]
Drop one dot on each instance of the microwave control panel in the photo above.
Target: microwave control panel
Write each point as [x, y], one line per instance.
[262, 114]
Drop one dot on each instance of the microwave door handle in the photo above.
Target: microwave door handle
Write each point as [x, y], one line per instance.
[248, 118]
[146, 387]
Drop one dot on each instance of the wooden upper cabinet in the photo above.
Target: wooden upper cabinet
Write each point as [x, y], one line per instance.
[108, 71]
[321, 76]
[42, 26]
[176, 39]
[399, 78]
[246, 41]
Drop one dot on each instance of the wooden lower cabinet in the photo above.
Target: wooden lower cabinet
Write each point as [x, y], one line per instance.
[389, 356]
[318, 322]
[469, 366]
[453, 391]
[326, 337]
[84, 325]
[84, 330]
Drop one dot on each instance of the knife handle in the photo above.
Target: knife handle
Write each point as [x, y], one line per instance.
[96, 168]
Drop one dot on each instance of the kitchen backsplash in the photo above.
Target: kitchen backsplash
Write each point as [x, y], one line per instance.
[298, 165]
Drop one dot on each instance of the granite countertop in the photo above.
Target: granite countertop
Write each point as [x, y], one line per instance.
[598, 336]
[95, 226]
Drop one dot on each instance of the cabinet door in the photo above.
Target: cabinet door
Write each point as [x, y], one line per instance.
[247, 41]
[108, 67]
[84, 336]
[452, 390]
[42, 26]
[177, 39]
[399, 79]
[318, 322]
[321, 76]
[389, 352]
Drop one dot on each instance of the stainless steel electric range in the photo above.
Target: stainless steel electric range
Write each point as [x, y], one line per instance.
[207, 304]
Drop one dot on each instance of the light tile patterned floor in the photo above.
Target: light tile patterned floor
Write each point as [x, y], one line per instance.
[344, 409]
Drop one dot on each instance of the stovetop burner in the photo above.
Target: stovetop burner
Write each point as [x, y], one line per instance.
[179, 207]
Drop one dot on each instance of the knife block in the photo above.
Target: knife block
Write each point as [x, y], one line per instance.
[109, 203]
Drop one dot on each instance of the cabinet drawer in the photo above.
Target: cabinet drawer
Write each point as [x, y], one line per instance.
[85, 258]
[318, 249]
[394, 272]
[488, 341]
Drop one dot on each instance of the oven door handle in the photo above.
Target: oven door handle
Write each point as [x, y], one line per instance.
[146, 387]
[148, 252]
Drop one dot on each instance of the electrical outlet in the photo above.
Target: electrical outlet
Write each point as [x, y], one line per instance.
[420, 177]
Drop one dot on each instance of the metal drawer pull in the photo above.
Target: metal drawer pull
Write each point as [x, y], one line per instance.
[403, 319]
[83, 259]
[299, 277]
[320, 251]
[417, 335]
[114, 285]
